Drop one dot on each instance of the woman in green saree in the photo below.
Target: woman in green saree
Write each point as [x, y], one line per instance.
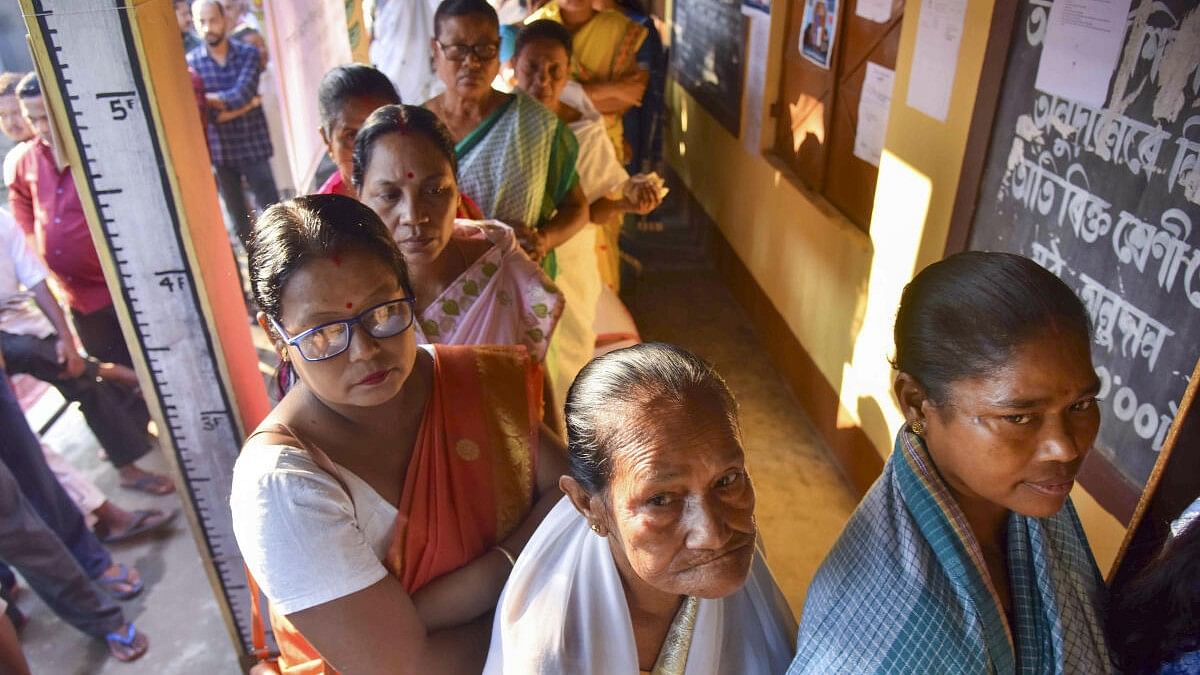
[516, 159]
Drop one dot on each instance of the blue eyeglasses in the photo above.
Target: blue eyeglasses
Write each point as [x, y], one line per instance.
[385, 320]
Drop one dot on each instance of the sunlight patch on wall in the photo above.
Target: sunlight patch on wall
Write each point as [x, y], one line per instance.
[897, 227]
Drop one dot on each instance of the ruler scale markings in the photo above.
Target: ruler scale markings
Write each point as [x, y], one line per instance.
[111, 108]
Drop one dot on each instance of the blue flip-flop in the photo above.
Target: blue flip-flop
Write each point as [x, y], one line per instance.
[126, 640]
[110, 584]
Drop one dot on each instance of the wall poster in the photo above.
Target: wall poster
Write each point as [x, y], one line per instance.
[818, 31]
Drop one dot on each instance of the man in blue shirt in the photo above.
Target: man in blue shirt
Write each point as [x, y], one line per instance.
[238, 139]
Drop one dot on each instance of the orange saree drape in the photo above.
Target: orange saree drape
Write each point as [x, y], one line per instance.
[469, 483]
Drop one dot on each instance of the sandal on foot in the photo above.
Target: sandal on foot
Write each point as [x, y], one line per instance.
[113, 584]
[129, 646]
[144, 520]
[152, 484]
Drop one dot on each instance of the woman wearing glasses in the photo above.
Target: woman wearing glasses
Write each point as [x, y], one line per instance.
[515, 158]
[381, 503]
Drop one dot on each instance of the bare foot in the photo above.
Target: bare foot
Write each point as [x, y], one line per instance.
[135, 478]
[114, 524]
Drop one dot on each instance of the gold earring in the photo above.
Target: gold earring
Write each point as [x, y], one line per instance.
[596, 529]
[918, 427]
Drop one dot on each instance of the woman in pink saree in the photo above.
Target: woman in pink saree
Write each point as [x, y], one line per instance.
[473, 282]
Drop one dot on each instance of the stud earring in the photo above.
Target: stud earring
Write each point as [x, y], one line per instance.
[918, 427]
[596, 529]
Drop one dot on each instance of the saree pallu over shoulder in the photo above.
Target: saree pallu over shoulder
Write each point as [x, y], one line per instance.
[905, 588]
[563, 610]
[470, 480]
[519, 163]
[479, 438]
[607, 47]
[503, 298]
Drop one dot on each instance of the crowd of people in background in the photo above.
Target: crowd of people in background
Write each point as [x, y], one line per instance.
[475, 464]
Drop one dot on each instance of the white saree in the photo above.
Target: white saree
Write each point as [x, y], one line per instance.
[600, 174]
[563, 611]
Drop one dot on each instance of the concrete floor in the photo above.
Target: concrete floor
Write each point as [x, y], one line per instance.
[803, 501]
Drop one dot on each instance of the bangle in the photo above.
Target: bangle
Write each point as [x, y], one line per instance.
[512, 559]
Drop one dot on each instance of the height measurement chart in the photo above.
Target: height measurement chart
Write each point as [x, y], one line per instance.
[166, 258]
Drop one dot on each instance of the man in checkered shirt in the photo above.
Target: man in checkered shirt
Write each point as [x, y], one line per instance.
[237, 129]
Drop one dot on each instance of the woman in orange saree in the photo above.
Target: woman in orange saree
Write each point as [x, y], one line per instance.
[381, 503]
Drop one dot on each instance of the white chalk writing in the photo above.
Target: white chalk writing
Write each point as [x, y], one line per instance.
[1104, 133]
[1049, 257]
[1187, 156]
[1140, 335]
[1039, 18]
[1037, 186]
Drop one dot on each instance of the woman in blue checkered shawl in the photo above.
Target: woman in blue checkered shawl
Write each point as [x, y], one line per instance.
[967, 556]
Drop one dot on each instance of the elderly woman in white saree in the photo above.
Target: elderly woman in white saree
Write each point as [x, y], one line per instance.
[650, 563]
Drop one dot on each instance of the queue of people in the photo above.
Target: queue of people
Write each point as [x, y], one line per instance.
[458, 478]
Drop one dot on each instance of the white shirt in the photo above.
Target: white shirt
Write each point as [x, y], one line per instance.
[302, 537]
[20, 270]
[400, 47]
[600, 172]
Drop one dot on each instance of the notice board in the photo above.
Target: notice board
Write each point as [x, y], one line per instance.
[708, 52]
[1108, 198]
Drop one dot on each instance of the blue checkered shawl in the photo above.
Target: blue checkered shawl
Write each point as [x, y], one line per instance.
[905, 589]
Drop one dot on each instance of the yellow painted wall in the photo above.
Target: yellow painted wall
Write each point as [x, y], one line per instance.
[837, 287]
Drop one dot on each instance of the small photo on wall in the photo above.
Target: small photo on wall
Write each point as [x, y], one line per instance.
[818, 30]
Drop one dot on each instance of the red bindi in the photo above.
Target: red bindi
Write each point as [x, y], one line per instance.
[337, 260]
[410, 175]
[349, 305]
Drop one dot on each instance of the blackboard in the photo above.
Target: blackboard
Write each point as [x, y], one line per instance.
[1109, 199]
[708, 51]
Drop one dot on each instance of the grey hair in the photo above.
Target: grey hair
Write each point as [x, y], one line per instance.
[615, 398]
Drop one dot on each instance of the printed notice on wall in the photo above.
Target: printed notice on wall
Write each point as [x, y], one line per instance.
[879, 11]
[939, 33]
[1083, 42]
[756, 77]
[873, 106]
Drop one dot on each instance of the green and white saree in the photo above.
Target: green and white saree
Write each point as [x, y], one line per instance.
[518, 164]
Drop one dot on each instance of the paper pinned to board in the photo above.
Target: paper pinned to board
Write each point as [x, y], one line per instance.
[879, 11]
[757, 55]
[874, 105]
[1083, 42]
[935, 60]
